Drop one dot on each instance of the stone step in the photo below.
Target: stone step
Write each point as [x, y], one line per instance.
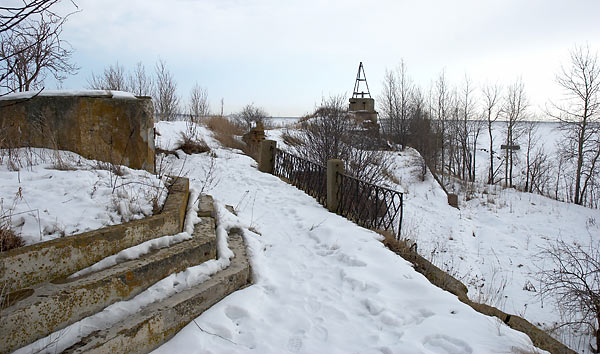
[160, 321]
[52, 306]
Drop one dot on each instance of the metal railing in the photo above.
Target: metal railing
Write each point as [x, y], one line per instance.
[369, 205]
[306, 175]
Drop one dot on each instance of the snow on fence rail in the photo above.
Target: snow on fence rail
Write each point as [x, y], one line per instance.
[366, 204]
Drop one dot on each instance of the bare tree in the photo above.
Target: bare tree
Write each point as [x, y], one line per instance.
[422, 134]
[539, 168]
[442, 112]
[491, 102]
[531, 142]
[579, 114]
[30, 45]
[13, 16]
[330, 133]
[198, 105]
[251, 114]
[165, 97]
[466, 110]
[138, 82]
[395, 103]
[514, 111]
[570, 275]
[113, 78]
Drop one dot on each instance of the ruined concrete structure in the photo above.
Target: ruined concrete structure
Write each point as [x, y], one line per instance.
[116, 128]
[362, 106]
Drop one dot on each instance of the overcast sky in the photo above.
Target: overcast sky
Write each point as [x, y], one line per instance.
[284, 55]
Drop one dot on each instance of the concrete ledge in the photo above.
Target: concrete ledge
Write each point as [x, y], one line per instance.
[445, 281]
[26, 266]
[52, 307]
[160, 321]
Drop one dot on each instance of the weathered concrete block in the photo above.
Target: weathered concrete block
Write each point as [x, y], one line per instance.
[266, 156]
[453, 200]
[205, 206]
[334, 167]
[99, 127]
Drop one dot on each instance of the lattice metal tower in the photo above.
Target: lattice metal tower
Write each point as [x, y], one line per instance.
[362, 106]
[360, 78]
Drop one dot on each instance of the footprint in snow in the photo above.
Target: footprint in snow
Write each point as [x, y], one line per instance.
[235, 313]
[294, 344]
[440, 343]
[374, 308]
[351, 261]
[312, 305]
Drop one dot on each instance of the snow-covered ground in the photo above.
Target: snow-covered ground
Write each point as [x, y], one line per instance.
[324, 285]
[491, 244]
[48, 194]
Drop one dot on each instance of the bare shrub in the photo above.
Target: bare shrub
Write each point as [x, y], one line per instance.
[226, 132]
[291, 139]
[165, 99]
[192, 145]
[569, 274]
[250, 115]
[332, 134]
[113, 78]
[8, 238]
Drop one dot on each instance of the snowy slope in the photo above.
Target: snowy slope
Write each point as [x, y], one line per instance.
[48, 194]
[492, 243]
[324, 285]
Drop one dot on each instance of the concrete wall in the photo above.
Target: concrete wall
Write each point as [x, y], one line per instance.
[363, 110]
[362, 104]
[101, 127]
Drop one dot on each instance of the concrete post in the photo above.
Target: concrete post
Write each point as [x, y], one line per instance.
[266, 156]
[333, 168]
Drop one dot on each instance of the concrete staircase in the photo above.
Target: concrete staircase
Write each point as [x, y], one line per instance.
[41, 309]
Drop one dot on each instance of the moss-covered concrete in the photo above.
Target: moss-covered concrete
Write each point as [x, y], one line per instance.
[115, 130]
[159, 322]
[53, 306]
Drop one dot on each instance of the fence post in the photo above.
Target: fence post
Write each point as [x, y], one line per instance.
[333, 168]
[266, 156]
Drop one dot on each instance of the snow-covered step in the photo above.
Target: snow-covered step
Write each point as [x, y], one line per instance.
[159, 321]
[28, 266]
[53, 306]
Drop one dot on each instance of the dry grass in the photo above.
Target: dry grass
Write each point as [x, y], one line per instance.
[226, 132]
[191, 146]
[9, 240]
[290, 139]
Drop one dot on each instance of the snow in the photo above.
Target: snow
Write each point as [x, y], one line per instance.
[492, 243]
[48, 194]
[168, 135]
[323, 284]
[134, 252]
[86, 93]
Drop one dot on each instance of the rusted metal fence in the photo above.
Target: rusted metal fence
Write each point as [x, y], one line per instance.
[304, 174]
[366, 204]
[369, 205]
